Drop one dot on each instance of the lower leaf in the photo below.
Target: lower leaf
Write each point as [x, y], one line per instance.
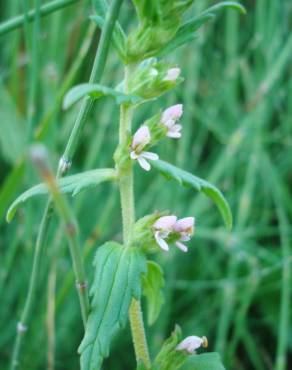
[117, 280]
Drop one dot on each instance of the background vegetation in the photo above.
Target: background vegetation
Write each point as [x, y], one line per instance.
[232, 287]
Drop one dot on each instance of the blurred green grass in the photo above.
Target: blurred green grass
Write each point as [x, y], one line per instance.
[233, 287]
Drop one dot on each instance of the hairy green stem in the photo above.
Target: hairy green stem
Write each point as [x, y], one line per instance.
[126, 185]
[97, 70]
[18, 21]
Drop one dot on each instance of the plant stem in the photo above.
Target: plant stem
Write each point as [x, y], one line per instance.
[18, 21]
[97, 70]
[126, 185]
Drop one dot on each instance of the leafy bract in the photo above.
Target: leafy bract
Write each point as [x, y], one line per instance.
[210, 361]
[168, 357]
[96, 91]
[152, 284]
[187, 32]
[187, 179]
[70, 184]
[117, 280]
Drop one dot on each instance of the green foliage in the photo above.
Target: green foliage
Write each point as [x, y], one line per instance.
[97, 91]
[169, 358]
[161, 32]
[153, 282]
[159, 22]
[119, 38]
[12, 132]
[186, 179]
[236, 133]
[71, 184]
[149, 80]
[206, 361]
[117, 280]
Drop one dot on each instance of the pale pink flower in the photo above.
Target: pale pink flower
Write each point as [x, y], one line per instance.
[170, 117]
[163, 227]
[184, 226]
[172, 74]
[190, 344]
[142, 138]
[166, 225]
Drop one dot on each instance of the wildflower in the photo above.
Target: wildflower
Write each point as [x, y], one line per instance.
[163, 227]
[172, 74]
[190, 344]
[169, 226]
[141, 139]
[169, 118]
[185, 227]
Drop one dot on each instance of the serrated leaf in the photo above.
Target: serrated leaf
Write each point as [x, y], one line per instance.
[117, 280]
[96, 91]
[187, 179]
[206, 361]
[70, 184]
[152, 284]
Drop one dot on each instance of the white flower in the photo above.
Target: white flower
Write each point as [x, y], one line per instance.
[172, 74]
[184, 226]
[169, 118]
[190, 344]
[140, 139]
[163, 227]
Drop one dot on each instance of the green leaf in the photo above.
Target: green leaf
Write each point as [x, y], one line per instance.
[187, 179]
[152, 284]
[206, 361]
[168, 357]
[96, 91]
[70, 184]
[117, 280]
[224, 4]
[187, 32]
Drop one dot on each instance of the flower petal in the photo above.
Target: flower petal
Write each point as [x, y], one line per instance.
[173, 134]
[181, 246]
[172, 113]
[141, 137]
[172, 74]
[184, 224]
[150, 155]
[190, 344]
[143, 163]
[165, 222]
[161, 242]
[134, 155]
